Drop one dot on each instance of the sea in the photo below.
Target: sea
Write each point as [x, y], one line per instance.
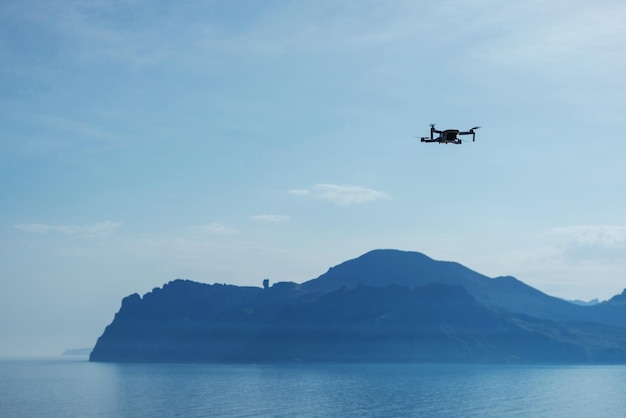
[69, 387]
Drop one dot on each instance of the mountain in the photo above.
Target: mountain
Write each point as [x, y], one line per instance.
[386, 305]
[412, 269]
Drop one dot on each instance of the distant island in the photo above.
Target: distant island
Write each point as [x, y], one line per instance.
[384, 306]
[77, 352]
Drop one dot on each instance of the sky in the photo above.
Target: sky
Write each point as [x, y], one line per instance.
[232, 141]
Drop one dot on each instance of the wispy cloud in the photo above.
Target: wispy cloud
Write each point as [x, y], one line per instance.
[517, 33]
[603, 235]
[98, 229]
[270, 218]
[342, 195]
[216, 228]
[299, 192]
[536, 35]
[589, 242]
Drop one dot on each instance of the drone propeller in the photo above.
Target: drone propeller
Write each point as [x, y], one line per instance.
[475, 127]
[432, 125]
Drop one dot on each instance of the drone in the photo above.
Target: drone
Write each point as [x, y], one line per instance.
[448, 136]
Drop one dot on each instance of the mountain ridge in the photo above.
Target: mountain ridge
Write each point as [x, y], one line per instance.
[386, 305]
[416, 269]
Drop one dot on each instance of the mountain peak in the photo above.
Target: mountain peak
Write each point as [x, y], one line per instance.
[384, 267]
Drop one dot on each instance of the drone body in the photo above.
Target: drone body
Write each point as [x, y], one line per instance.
[448, 136]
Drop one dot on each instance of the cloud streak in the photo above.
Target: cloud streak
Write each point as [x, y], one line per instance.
[536, 35]
[216, 228]
[579, 243]
[604, 235]
[269, 218]
[342, 195]
[94, 230]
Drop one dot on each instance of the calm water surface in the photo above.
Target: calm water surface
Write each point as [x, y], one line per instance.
[72, 388]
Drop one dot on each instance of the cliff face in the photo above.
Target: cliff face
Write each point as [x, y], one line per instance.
[380, 311]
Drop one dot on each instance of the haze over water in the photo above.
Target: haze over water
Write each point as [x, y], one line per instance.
[65, 388]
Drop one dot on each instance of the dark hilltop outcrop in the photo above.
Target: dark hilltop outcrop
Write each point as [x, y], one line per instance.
[385, 306]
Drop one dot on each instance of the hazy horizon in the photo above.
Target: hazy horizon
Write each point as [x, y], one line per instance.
[31, 352]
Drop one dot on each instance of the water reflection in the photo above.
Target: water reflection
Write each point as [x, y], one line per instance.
[62, 388]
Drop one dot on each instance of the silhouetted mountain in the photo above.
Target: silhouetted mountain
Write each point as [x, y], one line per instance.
[412, 269]
[386, 305]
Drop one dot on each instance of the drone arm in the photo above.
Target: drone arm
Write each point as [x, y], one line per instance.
[470, 132]
[433, 131]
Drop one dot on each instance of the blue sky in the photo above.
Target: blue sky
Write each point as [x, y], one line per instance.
[232, 141]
